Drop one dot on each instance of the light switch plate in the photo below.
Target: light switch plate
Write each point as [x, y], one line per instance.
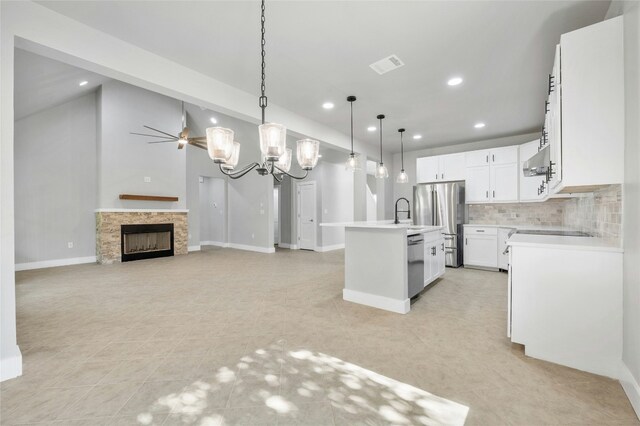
[147, 179]
[70, 244]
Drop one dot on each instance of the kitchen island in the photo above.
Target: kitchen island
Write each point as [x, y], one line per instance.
[380, 265]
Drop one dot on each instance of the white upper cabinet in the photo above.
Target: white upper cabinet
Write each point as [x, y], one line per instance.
[427, 169]
[477, 158]
[452, 166]
[492, 175]
[592, 106]
[529, 185]
[506, 155]
[440, 168]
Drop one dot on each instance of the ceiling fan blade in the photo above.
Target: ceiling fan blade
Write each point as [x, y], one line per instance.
[160, 131]
[185, 133]
[181, 145]
[170, 140]
[145, 134]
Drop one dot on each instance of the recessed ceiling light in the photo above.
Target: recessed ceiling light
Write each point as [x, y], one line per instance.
[213, 120]
[371, 128]
[83, 83]
[327, 105]
[454, 81]
[478, 125]
[417, 136]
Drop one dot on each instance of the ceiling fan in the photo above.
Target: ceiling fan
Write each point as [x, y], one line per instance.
[182, 138]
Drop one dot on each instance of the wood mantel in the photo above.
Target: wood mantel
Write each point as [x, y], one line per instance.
[147, 197]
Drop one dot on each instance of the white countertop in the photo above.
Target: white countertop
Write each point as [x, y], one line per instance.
[386, 224]
[557, 241]
[532, 227]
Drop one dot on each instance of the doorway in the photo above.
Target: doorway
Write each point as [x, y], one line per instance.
[307, 223]
[213, 211]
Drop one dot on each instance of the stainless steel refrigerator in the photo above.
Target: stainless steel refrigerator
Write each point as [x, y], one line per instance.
[442, 204]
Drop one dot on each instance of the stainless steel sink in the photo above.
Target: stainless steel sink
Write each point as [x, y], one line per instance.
[552, 232]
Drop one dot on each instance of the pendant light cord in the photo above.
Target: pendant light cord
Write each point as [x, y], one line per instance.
[401, 150]
[351, 103]
[263, 98]
[380, 117]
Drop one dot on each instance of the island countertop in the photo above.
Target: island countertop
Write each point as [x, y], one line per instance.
[386, 225]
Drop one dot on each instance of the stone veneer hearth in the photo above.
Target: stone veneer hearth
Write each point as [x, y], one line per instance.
[108, 223]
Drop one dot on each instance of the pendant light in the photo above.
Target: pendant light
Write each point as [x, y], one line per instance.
[353, 163]
[402, 177]
[381, 170]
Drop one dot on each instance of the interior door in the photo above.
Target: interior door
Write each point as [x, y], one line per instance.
[307, 216]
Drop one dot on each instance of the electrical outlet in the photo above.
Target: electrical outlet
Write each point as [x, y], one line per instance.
[326, 211]
[70, 244]
[147, 179]
[253, 236]
[189, 236]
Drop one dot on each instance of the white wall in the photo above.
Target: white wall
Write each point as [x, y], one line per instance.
[55, 183]
[631, 199]
[410, 157]
[125, 159]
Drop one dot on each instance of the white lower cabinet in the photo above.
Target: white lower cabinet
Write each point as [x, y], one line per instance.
[481, 246]
[434, 251]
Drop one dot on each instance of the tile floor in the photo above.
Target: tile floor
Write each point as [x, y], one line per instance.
[232, 337]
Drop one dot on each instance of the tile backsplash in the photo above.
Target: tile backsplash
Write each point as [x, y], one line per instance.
[549, 213]
[599, 213]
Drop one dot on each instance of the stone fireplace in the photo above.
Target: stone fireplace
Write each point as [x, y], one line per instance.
[128, 234]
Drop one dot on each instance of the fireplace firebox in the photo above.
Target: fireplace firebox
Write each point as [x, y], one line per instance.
[146, 241]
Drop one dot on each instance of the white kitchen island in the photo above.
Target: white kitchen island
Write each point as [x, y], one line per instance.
[376, 262]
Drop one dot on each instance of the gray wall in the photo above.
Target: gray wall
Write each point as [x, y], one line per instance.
[337, 201]
[249, 220]
[127, 159]
[55, 182]
[410, 157]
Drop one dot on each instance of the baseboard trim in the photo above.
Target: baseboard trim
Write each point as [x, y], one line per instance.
[55, 262]
[375, 301]
[322, 249]
[11, 365]
[252, 248]
[214, 243]
[631, 388]
[193, 248]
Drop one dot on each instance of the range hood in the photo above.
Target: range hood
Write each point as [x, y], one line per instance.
[538, 164]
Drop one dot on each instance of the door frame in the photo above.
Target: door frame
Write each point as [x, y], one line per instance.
[315, 213]
[278, 189]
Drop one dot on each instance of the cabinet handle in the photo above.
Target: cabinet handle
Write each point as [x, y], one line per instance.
[433, 251]
[487, 158]
[493, 158]
[494, 194]
[442, 244]
[466, 242]
[479, 230]
[487, 195]
[546, 107]
[436, 176]
[551, 83]
[442, 176]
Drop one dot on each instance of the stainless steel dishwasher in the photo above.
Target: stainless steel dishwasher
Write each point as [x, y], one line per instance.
[415, 264]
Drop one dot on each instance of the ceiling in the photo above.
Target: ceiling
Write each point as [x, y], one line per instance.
[320, 51]
[42, 83]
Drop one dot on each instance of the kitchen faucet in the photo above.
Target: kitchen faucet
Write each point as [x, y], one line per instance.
[407, 211]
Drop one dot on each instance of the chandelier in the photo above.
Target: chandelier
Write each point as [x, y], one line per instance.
[225, 151]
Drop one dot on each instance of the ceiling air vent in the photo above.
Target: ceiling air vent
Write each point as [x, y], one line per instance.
[387, 64]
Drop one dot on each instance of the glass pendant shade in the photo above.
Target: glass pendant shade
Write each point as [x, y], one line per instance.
[308, 150]
[381, 171]
[353, 163]
[232, 162]
[402, 177]
[273, 139]
[219, 144]
[284, 162]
